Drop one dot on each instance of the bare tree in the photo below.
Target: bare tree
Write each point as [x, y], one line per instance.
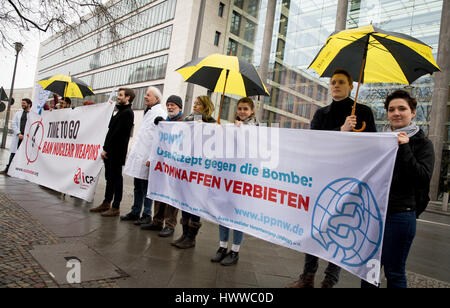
[18, 17]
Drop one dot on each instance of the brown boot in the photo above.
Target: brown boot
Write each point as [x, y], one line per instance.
[101, 208]
[305, 281]
[185, 224]
[111, 213]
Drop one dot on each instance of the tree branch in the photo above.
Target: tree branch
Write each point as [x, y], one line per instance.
[28, 20]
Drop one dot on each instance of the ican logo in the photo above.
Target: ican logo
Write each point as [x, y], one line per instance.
[347, 221]
[34, 138]
[85, 181]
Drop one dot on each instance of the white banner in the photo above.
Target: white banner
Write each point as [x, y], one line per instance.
[322, 193]
[39, 99]
[61, 149]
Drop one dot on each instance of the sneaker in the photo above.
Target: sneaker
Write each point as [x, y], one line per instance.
[129, 217]
[220, 255]
[144, 220]
[111, 213]
[151, 227]
[305, 281]
[166, 232]
[231, 258]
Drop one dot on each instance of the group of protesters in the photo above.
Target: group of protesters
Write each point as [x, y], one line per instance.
[408, 193]
[114, 155]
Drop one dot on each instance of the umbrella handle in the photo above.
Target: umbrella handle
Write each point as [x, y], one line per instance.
[223, 96]
[363, 127]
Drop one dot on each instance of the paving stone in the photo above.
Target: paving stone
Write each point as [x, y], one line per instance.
[19, 232]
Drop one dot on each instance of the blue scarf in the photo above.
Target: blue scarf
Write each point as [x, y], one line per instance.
[175, 117]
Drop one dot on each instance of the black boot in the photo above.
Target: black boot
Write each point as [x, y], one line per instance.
[231, 258]
[129, 217]
[220, 255]
[185, 224]
[189, 240]
[166, 232]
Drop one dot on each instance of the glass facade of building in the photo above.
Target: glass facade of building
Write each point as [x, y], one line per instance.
[301, 29]
[418, 18]
[103, 62]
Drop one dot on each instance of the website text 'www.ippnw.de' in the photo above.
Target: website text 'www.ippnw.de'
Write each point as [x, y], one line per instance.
[270, 221]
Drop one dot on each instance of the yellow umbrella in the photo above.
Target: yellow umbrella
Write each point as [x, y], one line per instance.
[375, 56]
[66, 86]
[224, 74]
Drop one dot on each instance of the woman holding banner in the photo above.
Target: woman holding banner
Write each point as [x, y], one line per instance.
[245, 114]
[410, 185]
[203, 109]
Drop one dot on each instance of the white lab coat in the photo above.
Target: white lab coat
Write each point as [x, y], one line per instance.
[140, 151]
[15, 124]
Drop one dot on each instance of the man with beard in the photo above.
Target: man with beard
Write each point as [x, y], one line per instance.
[115, 152]
[18, 125]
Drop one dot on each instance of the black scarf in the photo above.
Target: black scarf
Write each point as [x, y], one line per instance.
[23, 122]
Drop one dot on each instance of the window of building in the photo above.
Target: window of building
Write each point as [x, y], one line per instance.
[221, 9]
[247, 54]
[253, 6]
[249, 32]
[235, 23]
[217, 38]
[232, 48]
[239, 3]
[311, 91]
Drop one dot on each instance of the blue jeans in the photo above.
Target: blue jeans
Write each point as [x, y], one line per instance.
[399, 234]
[140, 193]
[224, 234]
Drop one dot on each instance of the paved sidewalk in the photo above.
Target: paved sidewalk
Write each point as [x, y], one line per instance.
[19, 233]
[35, 223]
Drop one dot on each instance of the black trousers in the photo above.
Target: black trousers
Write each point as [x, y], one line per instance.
[114, 183]
[9, 162]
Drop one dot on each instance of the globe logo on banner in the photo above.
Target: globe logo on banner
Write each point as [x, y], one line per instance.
[347, 221]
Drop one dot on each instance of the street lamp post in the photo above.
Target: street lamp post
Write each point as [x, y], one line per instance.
[18, 46]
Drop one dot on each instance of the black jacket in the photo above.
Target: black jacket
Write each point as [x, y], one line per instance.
[412, 174]
[116, 141]
[333, 116]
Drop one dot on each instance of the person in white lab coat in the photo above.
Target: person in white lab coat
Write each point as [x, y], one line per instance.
[18, 125]
[135, 165]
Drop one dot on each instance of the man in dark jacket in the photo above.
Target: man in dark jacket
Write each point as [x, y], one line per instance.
[335, 117]
[115, 152]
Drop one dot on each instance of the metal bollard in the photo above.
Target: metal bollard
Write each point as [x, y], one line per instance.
[445, 202]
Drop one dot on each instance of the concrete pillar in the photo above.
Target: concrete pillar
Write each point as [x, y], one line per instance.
[445, 202]
[440, 97]
[341, 15]
[198, 35]
[265, 55]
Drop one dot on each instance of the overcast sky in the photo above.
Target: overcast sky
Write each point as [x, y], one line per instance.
[26, 65]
